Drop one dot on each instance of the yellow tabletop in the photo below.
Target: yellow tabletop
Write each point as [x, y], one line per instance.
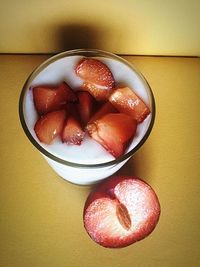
[41, 214]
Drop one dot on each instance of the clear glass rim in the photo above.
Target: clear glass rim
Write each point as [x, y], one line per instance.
[84, 52]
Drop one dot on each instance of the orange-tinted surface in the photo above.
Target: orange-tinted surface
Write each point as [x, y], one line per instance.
[41, 214]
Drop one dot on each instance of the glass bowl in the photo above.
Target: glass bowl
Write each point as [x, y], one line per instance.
[87, 169]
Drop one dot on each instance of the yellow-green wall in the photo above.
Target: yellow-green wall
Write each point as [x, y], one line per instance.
[150, 27]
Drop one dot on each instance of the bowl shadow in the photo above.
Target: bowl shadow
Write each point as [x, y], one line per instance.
[75, 36]
[140, 165]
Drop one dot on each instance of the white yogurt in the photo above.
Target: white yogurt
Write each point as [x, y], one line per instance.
[89, 152]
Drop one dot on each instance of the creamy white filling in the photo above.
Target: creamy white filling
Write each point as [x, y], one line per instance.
[89, 152]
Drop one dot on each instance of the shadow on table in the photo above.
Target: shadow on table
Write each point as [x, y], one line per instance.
[139, 165]
[75, 36]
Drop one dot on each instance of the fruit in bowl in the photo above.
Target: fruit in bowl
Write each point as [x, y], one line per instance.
[69, 113]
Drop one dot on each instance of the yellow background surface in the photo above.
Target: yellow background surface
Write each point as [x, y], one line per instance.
[41, 214]
[144, 27]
